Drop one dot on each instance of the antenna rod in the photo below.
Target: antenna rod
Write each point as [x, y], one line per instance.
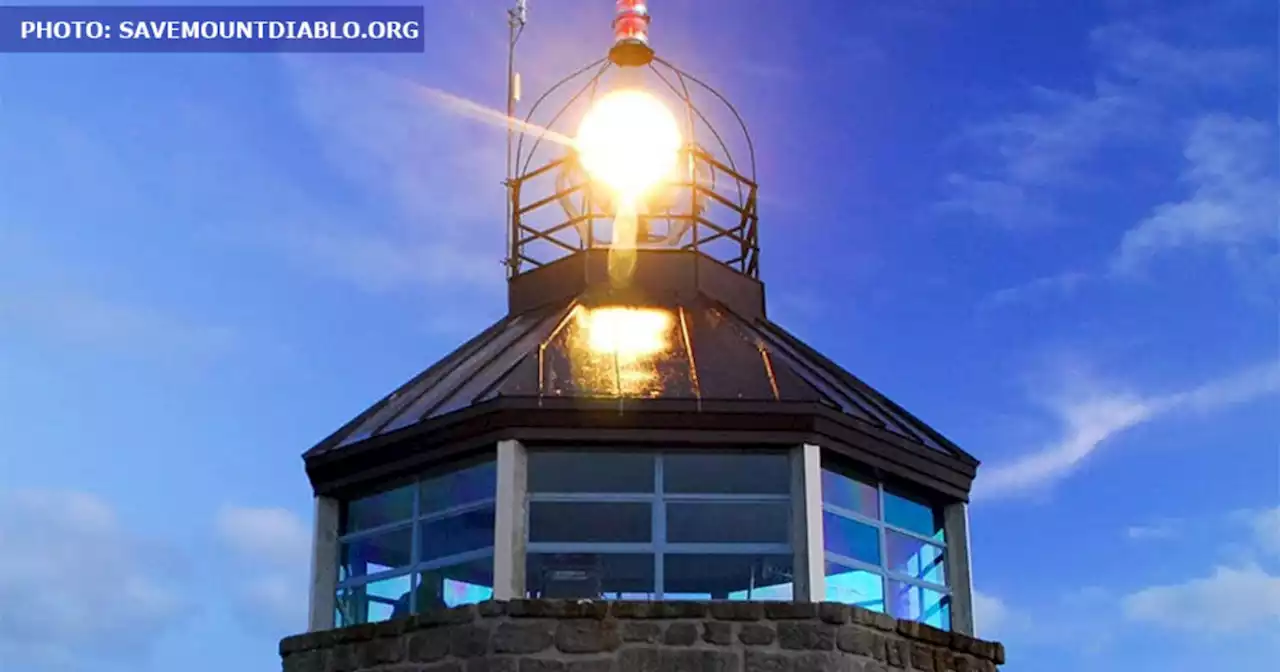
[516, 17]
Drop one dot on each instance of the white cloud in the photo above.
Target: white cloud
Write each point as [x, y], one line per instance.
[75, 586]
[1092, 416]
[1227, 601]
[1158, 531]
[272, 547]
[1060, 284]
[990, 615]
[275, 537]
[1233, 199]
[1266, 530]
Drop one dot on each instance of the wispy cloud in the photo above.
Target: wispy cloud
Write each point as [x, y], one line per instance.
[1092, 415]
[1033, 160]
[1062, 284]
[76, 586]
[1233, 198]
[1228, 600]
[272, 547]
[1165, 529]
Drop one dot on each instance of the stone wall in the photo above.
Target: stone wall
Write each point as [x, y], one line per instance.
[560, 636]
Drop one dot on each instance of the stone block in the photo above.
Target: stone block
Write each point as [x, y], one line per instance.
[681, 634]
[597, 665]
[780, 611]
[640, 659]
[768, 661]
[922, 657]
[861, 641]
[873, 619]
[381, 651]
[833, 612]
[699, 660]
[814, 661]
[522, 637]
[897, 652]
[717, 632]
[587, 636]
[737, 611]
[756, 634]
[806, 636]
[428, 646]
[304, 661]
[492, 664]
[627, 609]
[451, 666]
[682, 609]
[491, 609]
[342, 658]
[646, 632]
[469, 641]
[944, 660]
[541, 665]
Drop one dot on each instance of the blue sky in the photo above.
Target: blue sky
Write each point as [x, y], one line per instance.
[1047, 228]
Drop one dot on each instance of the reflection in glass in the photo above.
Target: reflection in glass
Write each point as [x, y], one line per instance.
[727, 577]
[376, 510]
[370, 603]
[375, 553]
[463, 583]
[726, 473]
[919, 604]
[915, 558]
[611, 576]
[851, 539]
[458, 488]
[458, 533]
[729, 522]
[569, 472]
[618, 351]
[855, 586]
[590, 522]
[912, 515]
[850, 494]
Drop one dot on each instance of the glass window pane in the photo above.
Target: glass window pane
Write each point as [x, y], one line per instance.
[463, 583]
[459, 533]
[616, 576]
[726, 577]
[919, 604]
[373, 602]
[380, 552]
[915, 558]
[726, 473]
[381, 509]
[729, 522]
[590, 472]
[847, 537]
[467, 486]
[855, 586]
[851, 494]
[590, 522]
[912, 515]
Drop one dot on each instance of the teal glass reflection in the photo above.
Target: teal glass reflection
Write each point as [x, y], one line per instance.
[913, 516]
[850, 538]
[917, 603]
[916, 558]
[372, 602]
[857, 587]
[377, 510]
[850, 494]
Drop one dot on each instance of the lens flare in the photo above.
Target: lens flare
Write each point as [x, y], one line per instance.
[630, 142]
[629, 333]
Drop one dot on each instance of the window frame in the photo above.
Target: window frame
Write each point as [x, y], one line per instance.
[883, 527]
[416, 565]
[658, 547]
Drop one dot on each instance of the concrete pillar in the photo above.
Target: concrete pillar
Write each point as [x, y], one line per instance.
[509, 522]
[809, 582]
[955, 521]
[324, 565]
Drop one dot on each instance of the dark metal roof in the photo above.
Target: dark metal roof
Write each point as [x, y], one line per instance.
[712, 354]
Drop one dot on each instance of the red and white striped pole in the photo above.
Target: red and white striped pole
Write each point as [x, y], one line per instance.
[631, 34]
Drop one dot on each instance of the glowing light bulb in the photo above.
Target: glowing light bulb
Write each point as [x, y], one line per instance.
[630, 142]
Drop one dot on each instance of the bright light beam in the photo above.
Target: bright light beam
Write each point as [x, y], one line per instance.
[473, 110]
